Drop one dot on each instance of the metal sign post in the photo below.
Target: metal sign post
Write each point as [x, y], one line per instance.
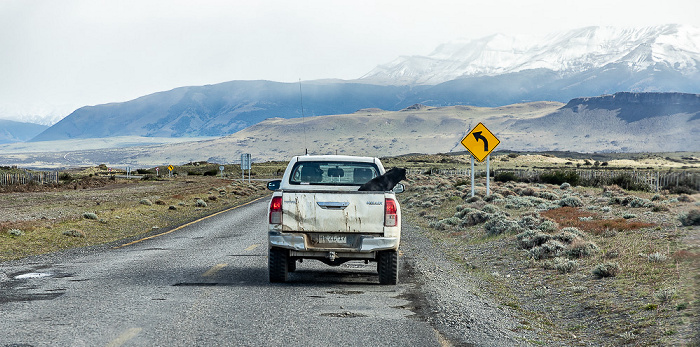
[480, 142]
[472, 172]
[488, 175]
[245, 165]
[221, 168]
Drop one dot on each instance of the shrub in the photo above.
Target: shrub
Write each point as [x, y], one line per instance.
[579, 249]
[548, 226]
[549, 249]
[200, 203]
[656, 257]
[506, 176]
[571, 201]
[475, 217]
[473, 199]
[626, 181]
[212, 172]
[531, 238]
[145, 202]
[565, 265]
[499, 224]
[15, 232]
[65, 177]
[530, 222]
[490, 208]
[565, 186]
[559, 177]
[629, 216]
[90, 215]
[492, 197]
[74, 233]
[690, 218]
[639, 202]
[606, 270]
[665, 295]
[548, 195]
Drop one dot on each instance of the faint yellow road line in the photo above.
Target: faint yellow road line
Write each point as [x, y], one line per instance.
[188, 224]
[252, 247]
[214, 269]
[123, 338]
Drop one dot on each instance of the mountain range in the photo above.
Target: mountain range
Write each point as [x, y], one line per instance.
[11, 131]
[622, 122]
[488, 72]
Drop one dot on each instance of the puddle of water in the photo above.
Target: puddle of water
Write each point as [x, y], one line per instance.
[33, 275]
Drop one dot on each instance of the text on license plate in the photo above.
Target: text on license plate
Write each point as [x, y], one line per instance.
[332, 238]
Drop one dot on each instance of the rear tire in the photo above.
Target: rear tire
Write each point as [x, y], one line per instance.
[278, 265]
[388, 267]
[291, 264]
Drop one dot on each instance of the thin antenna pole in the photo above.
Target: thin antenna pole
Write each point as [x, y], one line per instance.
[303, 119]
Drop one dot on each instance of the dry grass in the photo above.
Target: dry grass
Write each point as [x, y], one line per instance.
[115, 209]
[572, 217]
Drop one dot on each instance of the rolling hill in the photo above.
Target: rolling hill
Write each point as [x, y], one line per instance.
[622, 122]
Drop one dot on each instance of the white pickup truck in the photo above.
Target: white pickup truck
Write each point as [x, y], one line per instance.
[317, 212]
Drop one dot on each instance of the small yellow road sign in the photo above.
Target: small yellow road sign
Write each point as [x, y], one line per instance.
[170, 167]
[480, 142]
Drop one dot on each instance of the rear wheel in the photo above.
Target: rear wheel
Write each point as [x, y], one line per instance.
[388, 267]
[278, 264]
[291, 264]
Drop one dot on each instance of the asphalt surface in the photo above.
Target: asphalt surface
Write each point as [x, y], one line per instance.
[205, 284]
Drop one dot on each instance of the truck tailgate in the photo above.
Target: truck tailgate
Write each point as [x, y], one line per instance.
[349, 212]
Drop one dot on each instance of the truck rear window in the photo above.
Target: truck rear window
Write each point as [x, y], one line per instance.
[333, 173]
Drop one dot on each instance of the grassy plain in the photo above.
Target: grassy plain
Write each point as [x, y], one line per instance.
[585, 265]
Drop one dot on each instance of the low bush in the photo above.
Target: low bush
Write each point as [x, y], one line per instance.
[565, 265]
[90, 215]
[15, 232]
[606, 270]
[500, 224]
[559, 177]
[145, 202]
[549, 249]
[580, 248]
[506, 176]
[570, 201]
[690, 218]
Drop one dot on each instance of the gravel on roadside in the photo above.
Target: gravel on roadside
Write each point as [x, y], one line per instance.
[447, 297]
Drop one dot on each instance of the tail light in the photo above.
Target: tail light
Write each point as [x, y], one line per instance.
[391, 217]
[276, 210]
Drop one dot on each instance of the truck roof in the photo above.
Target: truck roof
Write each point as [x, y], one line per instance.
[334, 158]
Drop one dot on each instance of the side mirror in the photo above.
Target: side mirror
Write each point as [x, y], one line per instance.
[274, 185]
[398, 188]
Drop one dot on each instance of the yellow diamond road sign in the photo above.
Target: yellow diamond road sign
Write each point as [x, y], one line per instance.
[480, 142]
[170, 167]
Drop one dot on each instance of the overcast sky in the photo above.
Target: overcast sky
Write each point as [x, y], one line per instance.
[56, 56]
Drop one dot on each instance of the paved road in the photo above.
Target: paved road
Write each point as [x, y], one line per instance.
[202, 285]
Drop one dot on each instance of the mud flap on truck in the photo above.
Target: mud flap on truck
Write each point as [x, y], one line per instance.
[388, 267]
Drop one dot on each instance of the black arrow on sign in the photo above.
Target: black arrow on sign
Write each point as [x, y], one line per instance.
[477, 136]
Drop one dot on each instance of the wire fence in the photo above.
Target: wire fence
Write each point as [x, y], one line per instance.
[654, 180]
[45, 177]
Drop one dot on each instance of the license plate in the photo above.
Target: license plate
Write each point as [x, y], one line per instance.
[332, 239]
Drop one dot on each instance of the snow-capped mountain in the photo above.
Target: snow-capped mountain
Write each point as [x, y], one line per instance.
[674, 47]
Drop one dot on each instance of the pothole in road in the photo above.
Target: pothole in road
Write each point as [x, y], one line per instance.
[346, 314]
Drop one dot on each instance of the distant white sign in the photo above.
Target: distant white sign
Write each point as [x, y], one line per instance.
[245, 161]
